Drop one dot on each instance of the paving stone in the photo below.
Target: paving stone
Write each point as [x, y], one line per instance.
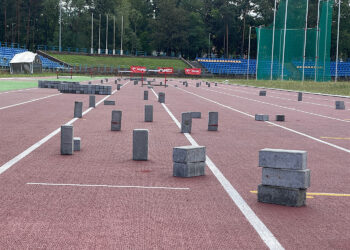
[161, 97]
[118, 86]
[187, 154]
[213, 121]
[188, 169]
[77, 143]
[280, 118]
[259, 117]
[78, 109]
[116, 122]
[186, 122]
[196, 114]
[67, 145]
[300, 96]
[292, 197]
[280, 158]
[109, 102]
[286, 177]
[92, 101]
[140, 145]
[145, 95]
[148, 113]
[339, 105]
[262, 93]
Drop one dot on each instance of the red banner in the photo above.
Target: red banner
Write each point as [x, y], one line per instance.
[193, 71]
[138, 69]
[165, 70]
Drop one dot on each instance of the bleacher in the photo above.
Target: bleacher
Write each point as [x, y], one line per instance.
[7, 53]
[239, 67]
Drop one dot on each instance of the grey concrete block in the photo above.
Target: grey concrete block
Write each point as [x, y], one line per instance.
[197, 84]
[67, 145]
[101, 81]
[213, 121]
[208, 85]
[286, 178]
[161, 97]
[186, 85]
[186, 122]
[339, 105]
[262, 93]
[291, 197]
[186, 154]
[300, 96]
[116, 123]
[196, 114]
[188, 169]
[140, 145]
[92, 101]
[150, 87]
[280, 118]
[115, 81]
[145, 95]
[216, 84]
[148, 113]
[280, 158]
[136, 82]
[118, 86]
[261, 117]
[77, 143]
[78, 109]
[109, 102]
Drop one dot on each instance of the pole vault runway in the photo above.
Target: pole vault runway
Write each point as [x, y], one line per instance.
[99, 198]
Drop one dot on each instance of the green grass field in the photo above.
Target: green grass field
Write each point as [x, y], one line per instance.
[6, 85]
[123, 62]
[339, 88]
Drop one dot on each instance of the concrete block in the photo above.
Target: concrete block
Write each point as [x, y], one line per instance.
[77, 143]
[145, 95]
[262, 93]
[140, 145]
[286, 178]
[280, 118]
[92, 101]
[291, 197]
[118, 86]
[161, 97]
[300, 96]
[186, 85]
[67, 145]
[136, 82]
[261, 117]
[213, 121]
[78, 109]
[216, 84]
[101, 81]
[280, 158]
[339, 105]
[186, 122]
[148, 113]
[208, 85]
[197, 84]
[187, 154]
[116, 123]
[192, 169]
[150, 87]
[196, 114]
[115, 81]
[109, 102]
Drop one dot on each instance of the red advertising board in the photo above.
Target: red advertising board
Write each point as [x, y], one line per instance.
[193, 71]
[138, 69]
[165, 70]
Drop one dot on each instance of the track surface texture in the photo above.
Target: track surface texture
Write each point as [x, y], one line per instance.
[99, 198]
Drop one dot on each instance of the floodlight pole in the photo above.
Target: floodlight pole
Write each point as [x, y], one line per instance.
[305, 37]
[114, 35]
[257, 56]
[250, 31]
[317, 31]
[99, 37]
[337, 55]
[107, 36]
[60, 33]
[92, 33]
[273, 38]
[121, 37]
[284, 38]
[325, 41]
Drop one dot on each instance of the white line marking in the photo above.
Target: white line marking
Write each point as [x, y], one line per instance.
[106, 186]
[33, 100]
[277, 125]
[29, 150]
[252, 218]
[275, 105]
[17, 90]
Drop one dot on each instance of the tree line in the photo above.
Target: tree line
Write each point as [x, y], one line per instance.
[187, 27]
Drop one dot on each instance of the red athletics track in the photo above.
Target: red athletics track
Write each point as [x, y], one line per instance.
[203, 217]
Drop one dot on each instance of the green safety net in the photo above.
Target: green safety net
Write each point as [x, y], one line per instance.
[283, 49]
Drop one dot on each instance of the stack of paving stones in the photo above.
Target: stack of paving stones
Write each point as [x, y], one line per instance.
[285, 177]
[76, 88]
[197, 84]
[262, 93]
[189, 161]
[259, 117]
[78, 109]
[339, 105]
[52, 84]
[216, 84]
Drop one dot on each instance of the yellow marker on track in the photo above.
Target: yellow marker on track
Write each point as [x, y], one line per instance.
[335, 138]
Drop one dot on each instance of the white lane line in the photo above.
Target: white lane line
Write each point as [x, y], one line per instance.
[105, 186]
[33, 100]
[18, 90]
[271, 123]
[29, 150]
[275, 105]
[264, 233]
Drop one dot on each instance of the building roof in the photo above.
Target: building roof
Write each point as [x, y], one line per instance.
[25, 57]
